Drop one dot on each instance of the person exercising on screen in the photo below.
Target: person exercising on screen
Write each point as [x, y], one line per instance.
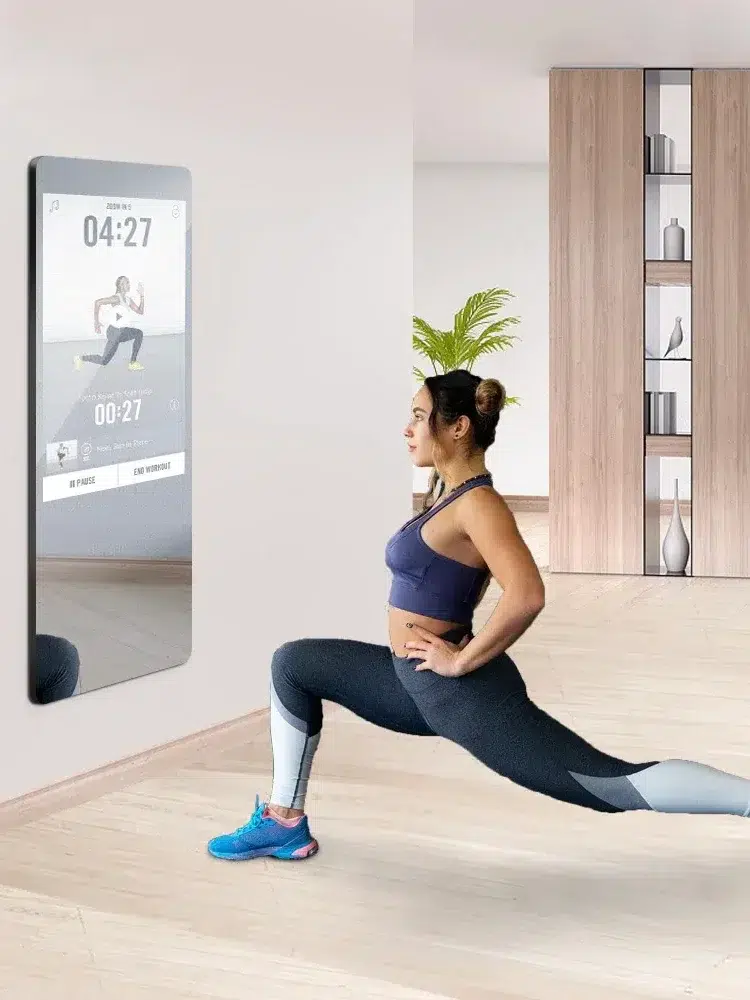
[119, 331]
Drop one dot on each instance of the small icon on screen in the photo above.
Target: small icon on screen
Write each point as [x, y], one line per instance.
[54, 207]
[174, 404]
[176, 212]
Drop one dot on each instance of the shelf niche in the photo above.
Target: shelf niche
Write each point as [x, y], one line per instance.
[658, 508]
[667, 194]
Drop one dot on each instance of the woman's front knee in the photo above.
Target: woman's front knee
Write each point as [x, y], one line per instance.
[289, 657]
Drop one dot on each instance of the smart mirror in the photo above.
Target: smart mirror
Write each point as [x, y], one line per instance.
[110, 518]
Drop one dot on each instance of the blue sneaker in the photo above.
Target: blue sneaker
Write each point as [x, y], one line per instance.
[264, 837]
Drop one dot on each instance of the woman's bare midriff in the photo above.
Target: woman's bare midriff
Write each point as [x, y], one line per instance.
[399, 634]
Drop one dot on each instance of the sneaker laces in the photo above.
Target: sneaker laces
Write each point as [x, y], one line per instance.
[256, 819]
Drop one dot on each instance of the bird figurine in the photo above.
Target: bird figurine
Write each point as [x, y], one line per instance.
[676, 337]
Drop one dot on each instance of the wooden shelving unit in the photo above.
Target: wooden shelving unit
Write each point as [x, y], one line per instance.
[615, 303]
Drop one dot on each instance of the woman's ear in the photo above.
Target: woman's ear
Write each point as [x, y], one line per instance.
[461, 428]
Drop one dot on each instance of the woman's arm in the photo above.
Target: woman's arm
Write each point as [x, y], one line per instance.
[489, 523]
[138, 308]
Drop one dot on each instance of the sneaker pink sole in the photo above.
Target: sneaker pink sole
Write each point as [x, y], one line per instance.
[306, 852]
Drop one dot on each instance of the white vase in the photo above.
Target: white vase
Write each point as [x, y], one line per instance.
[675, 547]
[674, 241]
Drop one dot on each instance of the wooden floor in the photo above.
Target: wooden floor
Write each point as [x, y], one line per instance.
[435, 879]
[126, 619]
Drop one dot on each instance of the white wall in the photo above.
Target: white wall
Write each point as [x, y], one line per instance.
[296, 122]
[475, 227]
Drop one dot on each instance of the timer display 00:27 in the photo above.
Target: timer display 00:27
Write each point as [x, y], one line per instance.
[115, 413]
[123, 231]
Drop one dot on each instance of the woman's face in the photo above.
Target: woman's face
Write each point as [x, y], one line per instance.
[419, 439]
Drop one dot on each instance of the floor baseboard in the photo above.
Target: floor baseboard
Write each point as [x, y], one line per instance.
[536, 505]
[110, 777]
[528, 504]
[540, 505]
[115, 570]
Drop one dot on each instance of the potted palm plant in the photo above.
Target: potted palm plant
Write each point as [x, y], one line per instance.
[477, 330]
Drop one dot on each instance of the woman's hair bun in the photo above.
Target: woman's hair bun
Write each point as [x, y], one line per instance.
[489, 397]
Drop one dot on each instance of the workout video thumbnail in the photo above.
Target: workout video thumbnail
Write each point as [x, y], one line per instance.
[61, 453]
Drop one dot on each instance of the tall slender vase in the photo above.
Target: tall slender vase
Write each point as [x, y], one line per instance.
[675, 547]
[674, 241]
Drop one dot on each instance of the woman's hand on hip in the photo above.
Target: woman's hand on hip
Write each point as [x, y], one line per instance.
[440, 656]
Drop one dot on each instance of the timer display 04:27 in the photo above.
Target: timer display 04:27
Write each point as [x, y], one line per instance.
[114, 413]
[123, 231]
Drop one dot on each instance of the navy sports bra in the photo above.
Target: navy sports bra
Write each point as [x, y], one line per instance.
[430, 584]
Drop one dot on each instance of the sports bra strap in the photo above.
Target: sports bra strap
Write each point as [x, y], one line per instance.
[484, 480]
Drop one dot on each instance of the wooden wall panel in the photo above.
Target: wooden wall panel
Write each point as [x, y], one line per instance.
[721, 323]
[596, 320]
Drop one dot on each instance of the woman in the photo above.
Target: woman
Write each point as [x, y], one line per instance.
[122, 308]
[437, 678]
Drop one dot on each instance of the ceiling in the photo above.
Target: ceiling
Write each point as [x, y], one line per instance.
[481, 66]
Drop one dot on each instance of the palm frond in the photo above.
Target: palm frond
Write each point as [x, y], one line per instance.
[423, 326]
[476, 331]
[501, 324]
[477, 348]
[479, 308]
[430, 343]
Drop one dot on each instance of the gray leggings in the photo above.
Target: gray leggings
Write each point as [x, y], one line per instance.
[115, 337]
[487, 712]
[55, 673]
